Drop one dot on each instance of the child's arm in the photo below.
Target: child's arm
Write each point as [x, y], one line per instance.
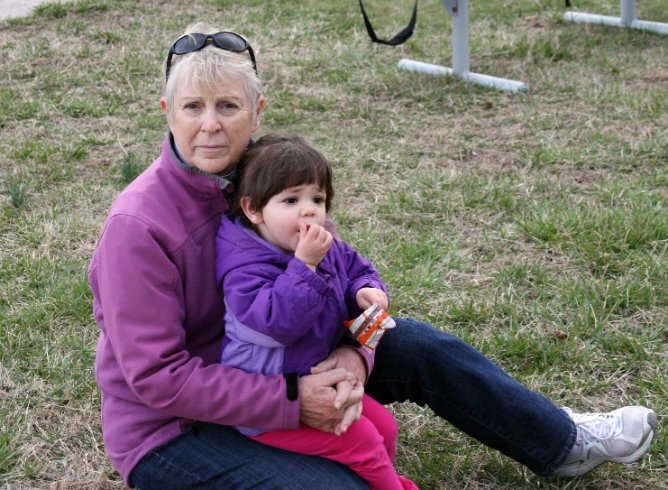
[270, 292]
[282, 304]
[365, 285]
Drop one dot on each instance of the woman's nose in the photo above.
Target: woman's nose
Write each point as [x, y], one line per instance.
[210, 122]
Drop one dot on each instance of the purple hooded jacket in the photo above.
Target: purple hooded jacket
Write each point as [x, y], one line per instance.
[280, 316]
[161, 319]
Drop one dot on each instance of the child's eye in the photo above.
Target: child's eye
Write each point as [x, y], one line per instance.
[290, 200]
[319, 200]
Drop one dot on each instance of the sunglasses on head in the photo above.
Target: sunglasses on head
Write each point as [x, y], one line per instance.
[229, 41]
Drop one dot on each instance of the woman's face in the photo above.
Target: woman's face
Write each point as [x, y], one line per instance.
[212, 129]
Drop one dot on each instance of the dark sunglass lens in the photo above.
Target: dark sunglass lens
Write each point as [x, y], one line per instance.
[231, 42]
[188, 44]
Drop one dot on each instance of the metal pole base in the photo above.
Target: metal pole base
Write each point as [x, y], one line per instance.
[485, 80]
[578, 17]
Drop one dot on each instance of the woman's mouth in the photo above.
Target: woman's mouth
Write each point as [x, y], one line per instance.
[211, 148]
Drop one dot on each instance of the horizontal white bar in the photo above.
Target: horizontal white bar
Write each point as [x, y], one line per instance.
[485, 80]
[495, 82]
[581, 18]
[427, 68]
[644, 25]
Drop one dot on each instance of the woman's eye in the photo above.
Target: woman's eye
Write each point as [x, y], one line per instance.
[228, 106]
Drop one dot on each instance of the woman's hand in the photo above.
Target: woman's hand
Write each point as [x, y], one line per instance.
[329, 400]
[349, 392]
[353, 412]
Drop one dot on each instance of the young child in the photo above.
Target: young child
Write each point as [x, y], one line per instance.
[289, 286]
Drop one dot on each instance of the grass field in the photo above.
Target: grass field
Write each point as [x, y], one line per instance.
[534, 226]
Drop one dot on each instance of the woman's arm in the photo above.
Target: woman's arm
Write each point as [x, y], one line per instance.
[146, 352]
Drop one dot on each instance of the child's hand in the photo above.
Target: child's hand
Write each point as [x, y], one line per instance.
[314, 241]
[367, 296]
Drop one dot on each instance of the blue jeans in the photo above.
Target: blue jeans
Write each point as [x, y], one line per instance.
[415, 362]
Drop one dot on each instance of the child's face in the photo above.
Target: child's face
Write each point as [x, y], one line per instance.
[278, 222]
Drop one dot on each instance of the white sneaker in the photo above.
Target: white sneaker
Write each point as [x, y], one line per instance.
[621, 436]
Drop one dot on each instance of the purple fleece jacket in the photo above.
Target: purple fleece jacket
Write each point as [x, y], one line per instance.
[161, 319]
[280, 316]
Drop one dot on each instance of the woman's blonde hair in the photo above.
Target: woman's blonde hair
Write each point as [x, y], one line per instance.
[211, 66]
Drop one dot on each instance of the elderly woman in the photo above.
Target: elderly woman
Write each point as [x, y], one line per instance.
[168, 404]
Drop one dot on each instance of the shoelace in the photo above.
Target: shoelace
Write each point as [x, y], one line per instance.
[592, 427]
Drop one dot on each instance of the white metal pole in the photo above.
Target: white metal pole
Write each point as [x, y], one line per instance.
[459, 11]
[422, 67]
[644, 25]
[460, 38]
[627, 18]
[628, 11]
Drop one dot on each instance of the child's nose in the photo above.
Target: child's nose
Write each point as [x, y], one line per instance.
[308, 210]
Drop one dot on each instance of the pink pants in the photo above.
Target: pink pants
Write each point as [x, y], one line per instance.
[368, 447]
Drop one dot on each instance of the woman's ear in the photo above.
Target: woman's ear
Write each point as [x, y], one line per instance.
[166, 109]
[258, 114]
[253, 216]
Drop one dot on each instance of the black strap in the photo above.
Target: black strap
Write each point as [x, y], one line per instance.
[291, 386]
[399, 38]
